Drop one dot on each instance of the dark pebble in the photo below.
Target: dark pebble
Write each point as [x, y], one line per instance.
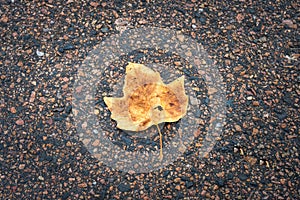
[230, 176]
[282, 116]
[185, 178]
[194, 170]
[64, 115]
[69, 47]
[68, 109]
[93, 32]
[179, 195]
[253, 184]
[131, 148]
[189, 184]
[27, 37]
[205, 101]
[61, 50]
[243, 177]
[43, 156]
[58, 109]
[85, 172]
[65, 195]
[166, 173]
[202, 19]
[122, 187]
[258, 28]
[287, 99]
[220, 182]
[186, 72]
[104, 29]
[180, 10]
[146, 186]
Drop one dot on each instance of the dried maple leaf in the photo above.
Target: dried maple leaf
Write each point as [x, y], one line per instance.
[147, 100]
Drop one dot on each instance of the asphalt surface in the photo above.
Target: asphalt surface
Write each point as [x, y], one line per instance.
[253, 44]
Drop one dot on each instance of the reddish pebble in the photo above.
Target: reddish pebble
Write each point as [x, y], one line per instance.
[13, 110]
[20, 122]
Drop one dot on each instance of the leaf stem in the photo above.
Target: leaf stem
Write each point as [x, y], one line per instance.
[160, 141]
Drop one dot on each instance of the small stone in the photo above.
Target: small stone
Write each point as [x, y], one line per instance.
[254, 131]
[49, 121]
[238, 128]
[20, 122]
[68, 144]
[131, 172]
[243, 177]
[58, 109]
[13, 110]
[41, 178]
[211, 91]
[96, 111]
[82, 185]
[21, 166]
[102, 181]
[189, 184]
[235, 150]
[94, 4]
[220, 174]
[194, 101]
[32, 97]
[177, 63]
[215, 187]
[86, 141]
[283, 125]
[177, 180]
[261, 162]
[61, 50]
[250, 98]
[263, 39]
[39, 53]
[239, 17]
[104, 29]
[4, 19]
[43, 99]
[65, 79]
[96, 143]
[194, 26]
[69, 47]
[69, 56]
[289, 23]
[255, 103]
[268, 92]
[68, 109]
[143, 21]
[180, 38]
[202, 19]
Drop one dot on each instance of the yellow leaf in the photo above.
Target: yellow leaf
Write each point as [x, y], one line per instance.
[147, 100]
